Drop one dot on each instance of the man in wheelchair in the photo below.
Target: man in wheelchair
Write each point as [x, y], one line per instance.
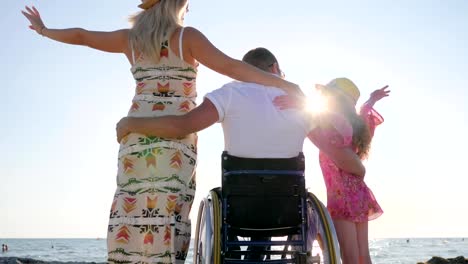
[253, 129]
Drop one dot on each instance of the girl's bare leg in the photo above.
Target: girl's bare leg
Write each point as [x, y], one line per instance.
[347, 236]
[363, 242]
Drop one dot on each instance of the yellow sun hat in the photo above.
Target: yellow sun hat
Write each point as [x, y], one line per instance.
[343, 85]
[147, 4]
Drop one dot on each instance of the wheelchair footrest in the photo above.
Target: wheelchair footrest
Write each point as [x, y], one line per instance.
[273, 256]
[269, 261]
[265, 243]
[265, 252]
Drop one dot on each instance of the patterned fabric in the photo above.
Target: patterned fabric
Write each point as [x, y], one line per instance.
[149, 219]
[348, 196]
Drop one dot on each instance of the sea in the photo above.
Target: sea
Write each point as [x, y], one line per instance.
[383, 251]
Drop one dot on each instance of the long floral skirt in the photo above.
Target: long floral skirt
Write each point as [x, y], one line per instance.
[149, 219]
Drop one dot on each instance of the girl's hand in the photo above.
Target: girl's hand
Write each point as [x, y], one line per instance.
[34, 18]
[289, 101]
[379, 94]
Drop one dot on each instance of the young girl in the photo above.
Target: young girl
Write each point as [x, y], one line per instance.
[350, 202]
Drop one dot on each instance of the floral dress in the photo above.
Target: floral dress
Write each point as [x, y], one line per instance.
[149, 219]
[348, 196]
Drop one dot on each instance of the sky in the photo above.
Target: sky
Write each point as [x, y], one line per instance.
[60, 104]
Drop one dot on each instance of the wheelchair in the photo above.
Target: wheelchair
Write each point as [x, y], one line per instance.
[263, 214]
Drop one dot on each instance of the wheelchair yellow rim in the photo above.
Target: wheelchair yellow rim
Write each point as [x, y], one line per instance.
[326, 224]
[217, 228]
[197, 232]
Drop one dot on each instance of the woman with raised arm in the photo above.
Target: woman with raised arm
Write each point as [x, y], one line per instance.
[149, 219]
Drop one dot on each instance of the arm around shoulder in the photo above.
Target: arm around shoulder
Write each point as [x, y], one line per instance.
[202, 50]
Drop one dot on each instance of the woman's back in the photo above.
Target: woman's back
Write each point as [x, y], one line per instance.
[166, 87]
[171, 78]
[156, 176]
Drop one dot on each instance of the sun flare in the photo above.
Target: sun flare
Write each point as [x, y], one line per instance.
[316, 102]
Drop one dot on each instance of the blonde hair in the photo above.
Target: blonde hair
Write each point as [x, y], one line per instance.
[153, 26]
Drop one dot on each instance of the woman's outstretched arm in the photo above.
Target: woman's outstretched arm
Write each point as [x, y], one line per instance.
[207, 54]
[115, 41]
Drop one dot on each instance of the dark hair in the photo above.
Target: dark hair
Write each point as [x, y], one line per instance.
[361, 136]
[361, 133]
[260, 58]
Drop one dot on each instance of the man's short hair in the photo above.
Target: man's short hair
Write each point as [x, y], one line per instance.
[260, 58]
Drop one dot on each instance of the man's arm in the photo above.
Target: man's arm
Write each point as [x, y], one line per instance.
[198, 119]
[344, 158]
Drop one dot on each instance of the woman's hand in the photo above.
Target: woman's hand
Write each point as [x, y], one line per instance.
[34, 18]
[289, 101]
[122, 129]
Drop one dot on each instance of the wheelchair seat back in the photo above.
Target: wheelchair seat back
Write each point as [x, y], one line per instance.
[264, 196]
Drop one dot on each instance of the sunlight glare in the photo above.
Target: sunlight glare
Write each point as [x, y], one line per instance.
[316, 102]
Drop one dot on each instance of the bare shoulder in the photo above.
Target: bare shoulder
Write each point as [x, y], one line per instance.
[124, 39]
[118, 37]
[193, 33]
[191, 30]
[123, 34]
[124, 31]
[197, 39]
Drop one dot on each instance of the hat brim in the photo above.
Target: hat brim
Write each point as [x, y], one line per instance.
[148, 4]
[322, 87]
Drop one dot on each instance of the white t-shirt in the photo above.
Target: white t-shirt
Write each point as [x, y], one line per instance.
[253, 127]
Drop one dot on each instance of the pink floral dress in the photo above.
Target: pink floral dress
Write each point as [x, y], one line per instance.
[348, 196]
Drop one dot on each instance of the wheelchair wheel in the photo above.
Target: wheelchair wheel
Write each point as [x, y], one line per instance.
[207, 244]
[325, 247]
